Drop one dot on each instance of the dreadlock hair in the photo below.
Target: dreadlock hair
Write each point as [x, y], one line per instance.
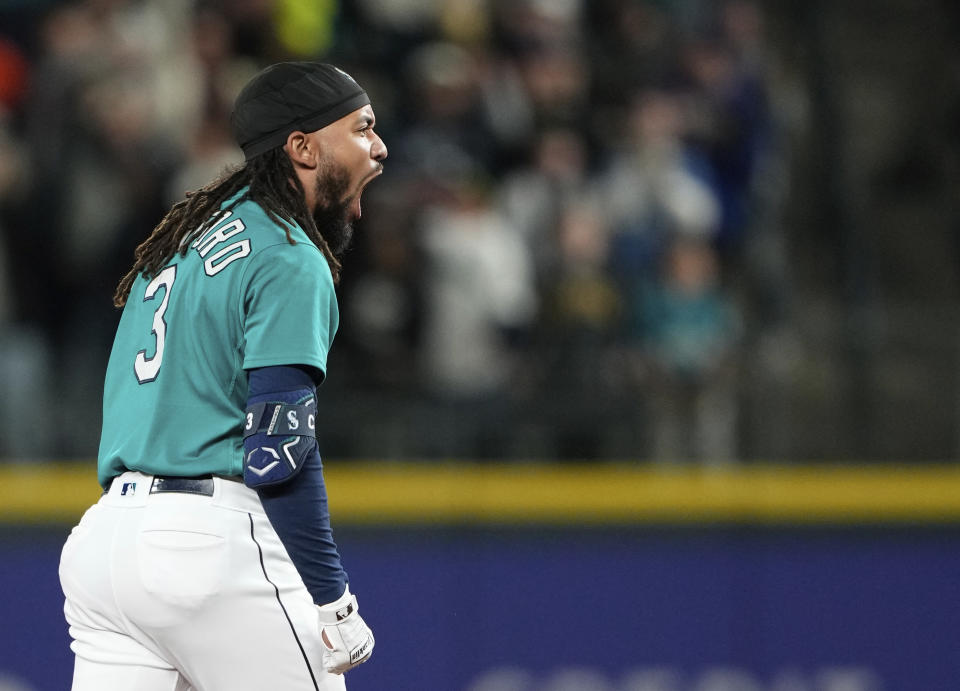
[272, 184]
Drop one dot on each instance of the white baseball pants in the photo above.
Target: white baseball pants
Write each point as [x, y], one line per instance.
[178, 592]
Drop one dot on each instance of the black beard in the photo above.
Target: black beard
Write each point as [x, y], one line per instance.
[332, 213]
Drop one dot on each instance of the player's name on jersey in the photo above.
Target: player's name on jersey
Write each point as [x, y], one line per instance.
[220, 237]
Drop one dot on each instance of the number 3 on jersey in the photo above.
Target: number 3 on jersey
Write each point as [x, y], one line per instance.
[145, 367]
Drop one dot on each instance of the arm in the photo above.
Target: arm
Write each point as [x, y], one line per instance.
[294, 498]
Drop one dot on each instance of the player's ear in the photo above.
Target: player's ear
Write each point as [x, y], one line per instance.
[301, 149]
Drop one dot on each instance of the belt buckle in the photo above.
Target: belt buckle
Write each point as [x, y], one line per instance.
[202, 486]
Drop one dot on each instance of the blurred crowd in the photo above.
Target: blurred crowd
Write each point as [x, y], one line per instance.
[573, 253]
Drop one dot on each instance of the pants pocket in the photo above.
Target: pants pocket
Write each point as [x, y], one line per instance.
[180, 568]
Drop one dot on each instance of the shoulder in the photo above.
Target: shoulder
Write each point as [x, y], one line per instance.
[301, 265]
[295, 258]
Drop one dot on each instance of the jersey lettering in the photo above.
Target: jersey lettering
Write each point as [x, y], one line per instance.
[218, 234]
[224, 257]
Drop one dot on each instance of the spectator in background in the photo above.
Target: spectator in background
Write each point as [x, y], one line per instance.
[208, 146]
[533, 195]
[633, 46]
[447, 125]
[380, 331]
[109, 114]
[754, 157]
[24, 353]
[727, 123]
[578, 211]
[383, 298]
[545, 41]
[479, 293]
[654, 188]
[685, 330]
[577, 365]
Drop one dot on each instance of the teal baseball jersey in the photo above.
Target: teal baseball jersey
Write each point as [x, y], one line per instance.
[176, 388]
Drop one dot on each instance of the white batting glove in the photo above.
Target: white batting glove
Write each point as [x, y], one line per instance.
[347, 639]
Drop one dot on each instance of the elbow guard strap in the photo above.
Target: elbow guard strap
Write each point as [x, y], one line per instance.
[281, 419]
[277, 438]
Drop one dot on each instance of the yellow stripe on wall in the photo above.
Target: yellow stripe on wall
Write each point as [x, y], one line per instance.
[470, 494]
[630, 494]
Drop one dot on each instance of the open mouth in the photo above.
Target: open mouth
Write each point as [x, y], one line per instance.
[355, 209]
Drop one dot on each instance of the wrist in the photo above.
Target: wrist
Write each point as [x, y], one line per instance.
[338, 610]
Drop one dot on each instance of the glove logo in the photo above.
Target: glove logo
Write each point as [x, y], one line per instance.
[292, 421]
[359, 652]
[267, 468]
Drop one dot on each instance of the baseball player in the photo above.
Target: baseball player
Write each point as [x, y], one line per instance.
[209, 561]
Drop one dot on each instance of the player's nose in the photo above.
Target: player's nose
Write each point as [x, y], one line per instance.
[378, 151]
